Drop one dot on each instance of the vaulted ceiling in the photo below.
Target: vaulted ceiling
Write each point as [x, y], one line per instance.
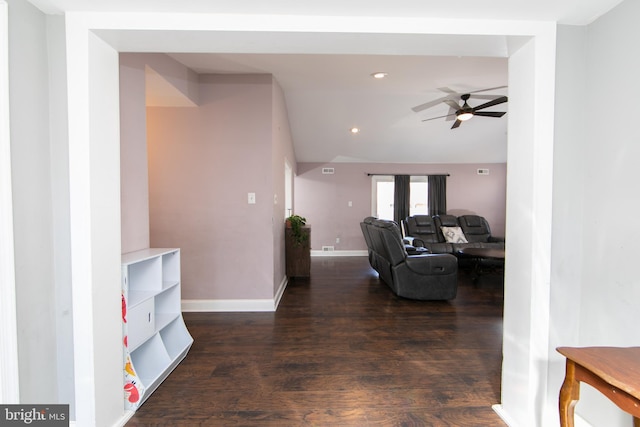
[328, 93]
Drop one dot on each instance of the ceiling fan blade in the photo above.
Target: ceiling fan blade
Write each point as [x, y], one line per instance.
[474, 96]
[439, 117]
[456, 124]
[451, 103]
[453, 92]
[486, 90]
[453, 95]
[490, 113]
[449, 91]
[496, 101]
[452, 114]
[429, 104]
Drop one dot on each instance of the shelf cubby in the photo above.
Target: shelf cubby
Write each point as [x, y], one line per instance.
[175, 337]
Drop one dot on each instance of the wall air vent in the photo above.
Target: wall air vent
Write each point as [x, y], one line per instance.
[483, 171]
[328, 249]
[328, 171]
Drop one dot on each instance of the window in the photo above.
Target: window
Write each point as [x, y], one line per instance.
[382, 196]
[418, 204]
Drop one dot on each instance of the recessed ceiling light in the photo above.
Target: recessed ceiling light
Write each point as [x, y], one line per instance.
[354, 130]
[379, 75]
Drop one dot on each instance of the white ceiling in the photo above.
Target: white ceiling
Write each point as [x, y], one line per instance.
[327, 93]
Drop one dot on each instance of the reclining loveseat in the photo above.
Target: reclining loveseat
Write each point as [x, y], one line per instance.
[466, 231]
[421, 277]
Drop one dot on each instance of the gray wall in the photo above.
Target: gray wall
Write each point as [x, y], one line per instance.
[32, 203]
[594, 279]
[323, 199]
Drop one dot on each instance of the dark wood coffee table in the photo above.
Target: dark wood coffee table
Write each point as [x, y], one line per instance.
[478, 255]
[487, 253]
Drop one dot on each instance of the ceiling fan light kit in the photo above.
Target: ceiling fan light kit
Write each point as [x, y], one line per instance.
[463, 117]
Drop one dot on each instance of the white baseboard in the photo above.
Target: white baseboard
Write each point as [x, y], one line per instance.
[235, 305]
[340, 253]
[498, 409]
[120, 423]
[578, 420]
[225, 305]
[280, 292]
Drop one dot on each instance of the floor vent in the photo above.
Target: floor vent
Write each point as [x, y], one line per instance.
[328, 248]
[328, 171]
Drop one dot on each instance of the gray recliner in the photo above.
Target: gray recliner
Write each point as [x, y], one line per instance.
[425, 231]
[476, 229]
[421, 277]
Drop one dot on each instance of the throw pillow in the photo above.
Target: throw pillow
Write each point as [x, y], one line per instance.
[454, 235]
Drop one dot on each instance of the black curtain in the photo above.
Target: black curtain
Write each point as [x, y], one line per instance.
[437, 194]
[401, 198]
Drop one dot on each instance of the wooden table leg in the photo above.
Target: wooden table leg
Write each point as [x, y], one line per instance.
[636, 422]
[569, 395]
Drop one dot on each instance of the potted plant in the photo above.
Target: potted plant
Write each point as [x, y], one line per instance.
[295, 222]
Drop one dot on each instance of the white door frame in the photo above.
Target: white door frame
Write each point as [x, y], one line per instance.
[532, 264]
[288, 189]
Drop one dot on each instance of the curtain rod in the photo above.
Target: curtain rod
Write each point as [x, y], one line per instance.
[410, 174]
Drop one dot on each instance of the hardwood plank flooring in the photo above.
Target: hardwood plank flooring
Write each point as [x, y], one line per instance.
[341, 350]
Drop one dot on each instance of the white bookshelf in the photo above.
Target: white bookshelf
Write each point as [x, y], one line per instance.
[155, 336]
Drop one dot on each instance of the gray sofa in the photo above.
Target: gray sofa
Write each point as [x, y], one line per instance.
[421, 277]
[424, 231]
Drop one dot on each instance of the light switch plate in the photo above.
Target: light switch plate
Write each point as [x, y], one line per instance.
[251, 198]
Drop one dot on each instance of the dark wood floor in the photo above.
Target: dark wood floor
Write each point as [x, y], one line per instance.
[341, 350]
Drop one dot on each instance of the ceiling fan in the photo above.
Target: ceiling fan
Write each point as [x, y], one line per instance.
[465, 112]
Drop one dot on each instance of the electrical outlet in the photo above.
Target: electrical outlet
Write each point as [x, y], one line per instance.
[337, 240]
